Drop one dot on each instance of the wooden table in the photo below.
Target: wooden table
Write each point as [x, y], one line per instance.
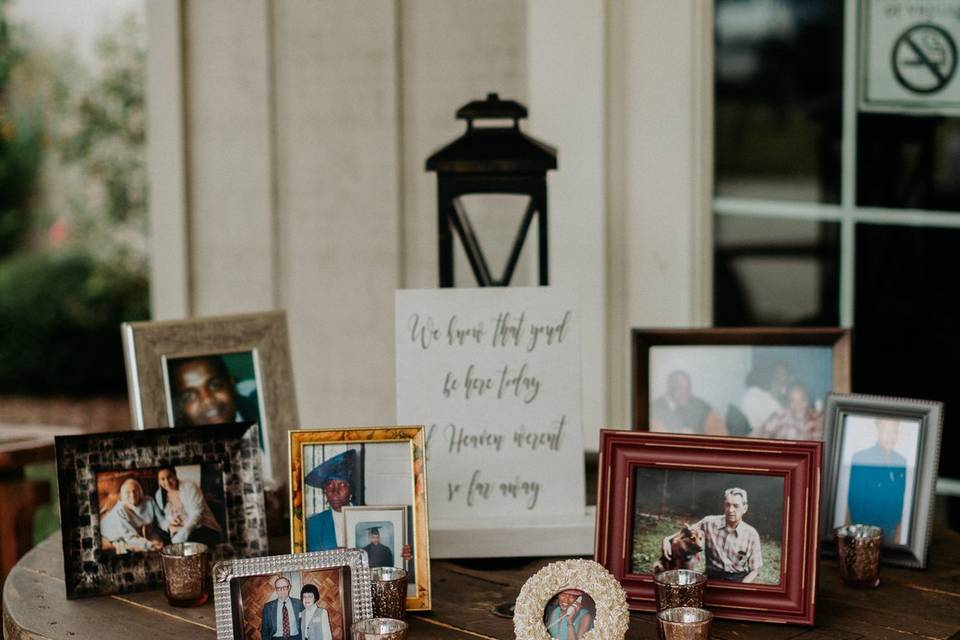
[20, 498]
[907, 605]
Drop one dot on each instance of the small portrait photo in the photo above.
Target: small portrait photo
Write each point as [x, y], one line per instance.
[380, 531]
[367, 474]
[758, 391]
[569, 615]
[877, 474]
[142, 510]
[212, 389]
[726, 525]
[305, 605]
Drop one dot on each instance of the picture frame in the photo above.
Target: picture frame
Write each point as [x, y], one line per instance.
[391, 461]
[759, 382]
[887, 449]
[654, 486]
[390, 523]
[606, 612]
[244, 589]
[254, 346]
[112, 524]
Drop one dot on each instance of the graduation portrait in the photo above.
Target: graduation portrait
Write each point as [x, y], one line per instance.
[365, 489]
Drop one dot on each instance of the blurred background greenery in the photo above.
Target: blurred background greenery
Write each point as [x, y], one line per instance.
[73, 202]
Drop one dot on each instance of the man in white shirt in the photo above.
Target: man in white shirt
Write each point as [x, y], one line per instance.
[281, 615]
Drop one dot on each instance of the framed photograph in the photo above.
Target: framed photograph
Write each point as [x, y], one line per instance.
[571, 599]
[213, 371]
[123, 495]
[881, 470]
[364, 485]
[313, 596]
[762, 383]
[744, 512]
[380, 531]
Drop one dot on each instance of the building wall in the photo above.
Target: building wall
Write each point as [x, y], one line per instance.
[287, 146]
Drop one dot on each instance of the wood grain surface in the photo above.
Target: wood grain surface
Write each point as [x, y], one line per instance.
[908, 605]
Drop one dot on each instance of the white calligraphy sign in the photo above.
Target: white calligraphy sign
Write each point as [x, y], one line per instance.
[494, 374]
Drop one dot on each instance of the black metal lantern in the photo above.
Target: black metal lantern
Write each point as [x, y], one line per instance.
[491, 160]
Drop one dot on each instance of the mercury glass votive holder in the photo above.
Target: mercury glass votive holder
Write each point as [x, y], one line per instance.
[858, 554]
[379, 629]
[186, 573]
[389, 587]
[684, 623]
[679, 588]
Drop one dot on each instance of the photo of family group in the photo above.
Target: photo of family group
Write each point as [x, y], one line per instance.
[570, 614]
[301, 605]
[877, 474]
[142, 510]
[361, 495]
[758, 391]
[726, 525]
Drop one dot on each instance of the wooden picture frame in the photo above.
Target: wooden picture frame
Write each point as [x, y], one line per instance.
[723, 415]
[94, 563]
[310, 449]
[258, 341]
[904, 472]
[787, 471]
[342, 573]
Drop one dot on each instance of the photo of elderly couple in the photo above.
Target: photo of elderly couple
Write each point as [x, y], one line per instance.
[142, 510]
[726, 525]
[762, 392]
[293, 605]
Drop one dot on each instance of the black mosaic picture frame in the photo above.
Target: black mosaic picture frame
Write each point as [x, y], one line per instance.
[232, 447]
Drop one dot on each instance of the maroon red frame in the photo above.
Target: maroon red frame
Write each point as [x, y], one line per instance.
[798, 462]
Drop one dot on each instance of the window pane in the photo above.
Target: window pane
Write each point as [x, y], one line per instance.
[778, 99]
[775, 272]
[907, 313]
[908, 162]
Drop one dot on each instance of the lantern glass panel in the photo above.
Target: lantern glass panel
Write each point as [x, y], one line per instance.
[496, 220]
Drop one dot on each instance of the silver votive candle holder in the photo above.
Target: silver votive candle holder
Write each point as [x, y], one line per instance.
[679, 588]
[684, 623]
[379, 629]
[186, 573]
[858, 554]
[389, 586]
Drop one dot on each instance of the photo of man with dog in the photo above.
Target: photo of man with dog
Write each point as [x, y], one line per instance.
[726, 525]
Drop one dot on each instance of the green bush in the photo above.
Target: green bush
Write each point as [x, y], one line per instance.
[59, 323]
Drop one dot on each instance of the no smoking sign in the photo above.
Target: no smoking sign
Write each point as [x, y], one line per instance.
[908, 56]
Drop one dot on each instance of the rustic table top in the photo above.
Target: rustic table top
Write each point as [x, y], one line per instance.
[24, 444]
[908, 604]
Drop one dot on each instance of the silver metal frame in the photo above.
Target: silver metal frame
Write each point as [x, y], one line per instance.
[930, 416]
[361, 598]
[147, 345]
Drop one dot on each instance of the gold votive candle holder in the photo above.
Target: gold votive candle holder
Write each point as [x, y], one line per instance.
[389, 586]
[679, 588]
[684, 623]
[858, 554]
[379, 629]
[186, 573]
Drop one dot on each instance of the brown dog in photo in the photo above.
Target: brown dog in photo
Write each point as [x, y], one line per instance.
[685, 548]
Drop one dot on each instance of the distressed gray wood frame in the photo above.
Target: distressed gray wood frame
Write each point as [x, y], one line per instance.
[930, 416]
[145, 344]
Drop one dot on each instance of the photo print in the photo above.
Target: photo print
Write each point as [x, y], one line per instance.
[144, 509]
[569, 614]
[310, 605]
[339, 476]
[877, 474]
[726, 525]
[757, 391]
